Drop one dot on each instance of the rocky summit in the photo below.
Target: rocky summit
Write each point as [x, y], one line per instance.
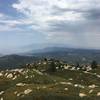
[39, 83]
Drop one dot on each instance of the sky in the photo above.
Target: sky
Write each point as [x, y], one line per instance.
[30, 24]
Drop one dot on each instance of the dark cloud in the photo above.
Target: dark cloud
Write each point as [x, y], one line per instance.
[89, 14]
[93, 14]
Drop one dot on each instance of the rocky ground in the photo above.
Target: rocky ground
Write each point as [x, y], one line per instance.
[31, 84]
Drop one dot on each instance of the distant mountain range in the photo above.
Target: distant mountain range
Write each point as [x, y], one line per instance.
[69, 55]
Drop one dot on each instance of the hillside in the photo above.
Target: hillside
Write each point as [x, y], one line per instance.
[15, 61]
[64, 84]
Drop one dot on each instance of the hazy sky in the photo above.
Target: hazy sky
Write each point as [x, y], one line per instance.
[74, 23]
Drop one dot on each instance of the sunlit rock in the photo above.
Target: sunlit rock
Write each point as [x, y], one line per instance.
[10, 75]
[70, 79]
[92, 86]
[1, 98]
[98, 94]
[66, 89]
[79, 85]
[1, 92]
[26, 77]
[15, 92]
[66, 83]
[82, 95]
[27, 91]
[1, 74]
[20, 84]
[90, 91]
[14, 77]
[98, 76]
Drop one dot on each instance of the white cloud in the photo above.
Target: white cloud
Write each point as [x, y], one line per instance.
[40, 11]
[44, 16]
[1, 15]
[6, 24]
[9, 24]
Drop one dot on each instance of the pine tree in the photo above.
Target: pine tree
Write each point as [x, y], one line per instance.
[77, 65]
[52, 67]
[94, 65]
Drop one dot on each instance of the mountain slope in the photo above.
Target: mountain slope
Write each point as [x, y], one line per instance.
[31, 84]
[14, 61]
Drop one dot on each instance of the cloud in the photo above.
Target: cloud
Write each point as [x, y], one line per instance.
[44, 11]
[8, 23]
[62, 20]
[40, 11]
[1, 15]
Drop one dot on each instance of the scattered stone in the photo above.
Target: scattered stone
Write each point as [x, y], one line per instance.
[78, 68]
[69, 83]
[44, 87]
[18, 94]
[20, 84]
[98, 76]
[98, 94]
[66, 89]
[66, 67]
[66, 83]
[17, 70]
[14, 78]
[32, 76]
[1, 98]
[79, 85]
[89, 68]
[1, 92]
[26, 77]
[6, 74]
[95, 73]
[92, 86]
[27, 91]
[73, 68]
[86, 72]
[76, 85]
[38, 88]
[70, 79]
[10, 75]
[90, 91]
[82, 80]
[15, 92]
[1, 74]
[82, 95]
